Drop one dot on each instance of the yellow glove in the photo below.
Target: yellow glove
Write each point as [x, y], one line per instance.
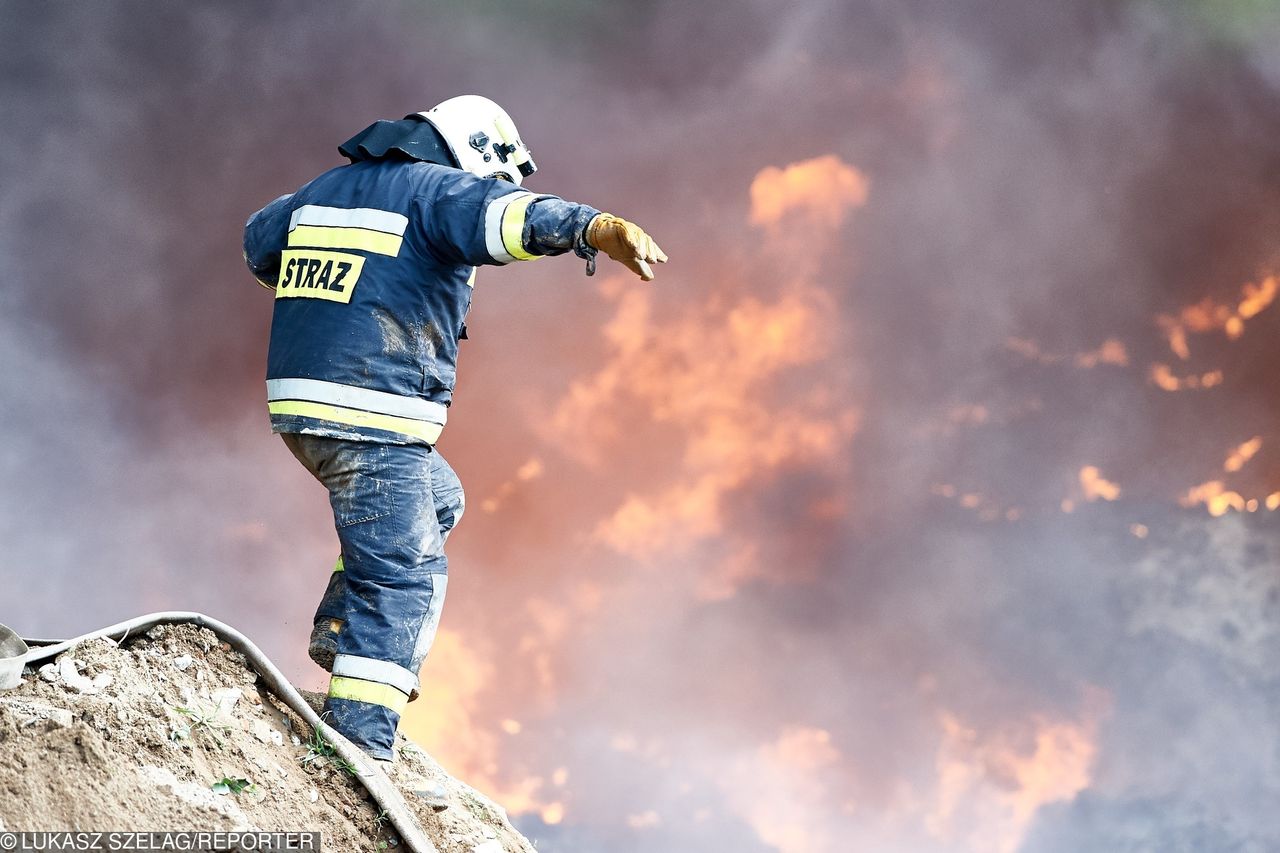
[626, 243]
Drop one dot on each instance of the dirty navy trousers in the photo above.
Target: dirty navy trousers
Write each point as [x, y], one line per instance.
[393, 507]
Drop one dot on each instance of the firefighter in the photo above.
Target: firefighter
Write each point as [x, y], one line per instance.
[373, 265]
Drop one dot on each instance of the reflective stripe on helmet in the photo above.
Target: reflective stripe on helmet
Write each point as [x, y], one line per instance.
[372, 669]
[369, 692]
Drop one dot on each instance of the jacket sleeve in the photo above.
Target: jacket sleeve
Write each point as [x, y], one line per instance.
[264, 238]
[478, 221]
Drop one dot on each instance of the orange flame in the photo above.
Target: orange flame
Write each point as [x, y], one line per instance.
[1097, 487]
[1111, 351]
[990, 785]
[1216, 498]
[1208, 316]
[700, 376]
[780, 790]
[1162, 376]
[1242, 454]
[823, 188]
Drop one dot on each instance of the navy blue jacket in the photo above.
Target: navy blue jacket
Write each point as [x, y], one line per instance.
[373, 266]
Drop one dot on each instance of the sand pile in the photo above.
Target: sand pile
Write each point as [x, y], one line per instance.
[171, 731]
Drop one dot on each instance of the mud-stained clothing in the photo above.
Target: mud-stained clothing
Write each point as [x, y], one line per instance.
[373, 267]
[393, 506]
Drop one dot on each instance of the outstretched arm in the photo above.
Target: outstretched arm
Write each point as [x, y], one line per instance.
[487, 221]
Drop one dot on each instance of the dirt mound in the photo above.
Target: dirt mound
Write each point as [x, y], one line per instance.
[171, 730]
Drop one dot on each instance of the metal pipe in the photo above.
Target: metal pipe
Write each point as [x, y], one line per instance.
[385, 794]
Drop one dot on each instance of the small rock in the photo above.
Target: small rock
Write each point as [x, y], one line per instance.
[34, 711]
[69, 672]
[488, 847]
[314, 795]
[103, 679]
[266, 733]
[182, 662]
[226, 699]
[49, 672]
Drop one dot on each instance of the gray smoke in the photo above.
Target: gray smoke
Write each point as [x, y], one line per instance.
[1060, 173]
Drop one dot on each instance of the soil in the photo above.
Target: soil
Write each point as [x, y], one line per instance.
[136, 737]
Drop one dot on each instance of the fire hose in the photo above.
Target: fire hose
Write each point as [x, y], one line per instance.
[384, 793]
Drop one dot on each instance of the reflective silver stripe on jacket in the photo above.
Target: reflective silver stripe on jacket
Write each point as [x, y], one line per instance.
[371, 669]
[352, 397]
[493, 242]
[385, 221]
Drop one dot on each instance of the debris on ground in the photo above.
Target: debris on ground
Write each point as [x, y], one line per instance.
[172, 730]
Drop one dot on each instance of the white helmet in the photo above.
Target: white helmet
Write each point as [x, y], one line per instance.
[482, 138]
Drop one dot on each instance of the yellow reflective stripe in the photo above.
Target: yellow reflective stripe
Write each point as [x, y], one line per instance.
[325, 237]
[428, 432]
[339, 566]
[513, 229]
[372, 692]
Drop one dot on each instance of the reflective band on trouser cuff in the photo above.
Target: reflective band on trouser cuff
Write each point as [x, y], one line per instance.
[428, 432]
[372, 669]
[369, 692]
[497, 225]
[355, 397]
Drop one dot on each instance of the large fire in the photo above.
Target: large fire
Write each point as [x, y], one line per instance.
[927, 501]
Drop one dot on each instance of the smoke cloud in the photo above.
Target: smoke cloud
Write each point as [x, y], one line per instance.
[926, 501]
